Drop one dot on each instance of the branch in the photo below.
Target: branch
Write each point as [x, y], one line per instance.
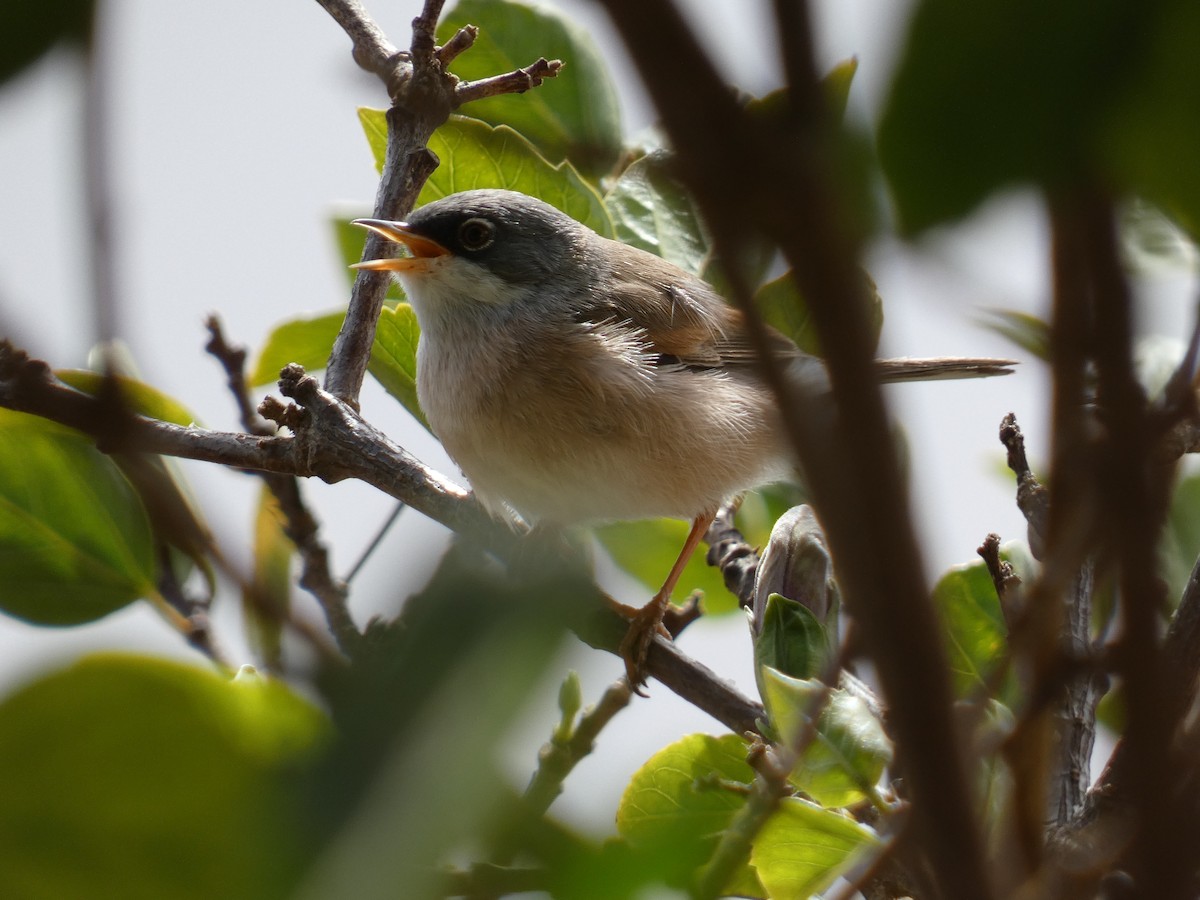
[300, 525]
[423, 94]
[515, 82]
[332, 441]
[560, 756]
[372, 49]
[786, 192]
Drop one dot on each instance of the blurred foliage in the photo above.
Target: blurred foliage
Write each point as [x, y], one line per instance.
[30, 30]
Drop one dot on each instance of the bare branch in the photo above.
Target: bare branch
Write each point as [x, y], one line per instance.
[515, 82]
[1032, 498]
[372, 49]
[333, 442]
[463, 40]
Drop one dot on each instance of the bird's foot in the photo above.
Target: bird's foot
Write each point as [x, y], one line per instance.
[645, 624]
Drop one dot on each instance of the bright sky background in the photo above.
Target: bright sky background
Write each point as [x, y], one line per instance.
[236, 137]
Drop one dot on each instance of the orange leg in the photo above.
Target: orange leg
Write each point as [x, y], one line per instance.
[648, 622]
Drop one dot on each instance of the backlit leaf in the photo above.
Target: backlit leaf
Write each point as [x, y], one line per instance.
[135, 778]
[574, 115]
[75, 541]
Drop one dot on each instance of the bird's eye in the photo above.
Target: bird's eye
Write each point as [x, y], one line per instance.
[475, 234]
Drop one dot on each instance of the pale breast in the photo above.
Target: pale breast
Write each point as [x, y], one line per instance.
[587, 425]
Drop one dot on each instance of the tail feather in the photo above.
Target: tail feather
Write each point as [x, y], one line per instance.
[942, 367]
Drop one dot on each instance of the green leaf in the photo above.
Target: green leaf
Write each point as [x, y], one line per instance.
[836, 84]
[267, 599]
[307, 340]
[849, 751]
[476, 155]
[803, 848]
[374, 126]
[1152, 136]
[993, 780]
[976, 636]
[783, 307]
[473, 155]
[1020, 102]
[1180, 543]
[791, 640]
[75, 541]
[394, 356]
[679, 802]
[141, 397]
[646, 550]
[1106, 89]
[1027, 331]
[129, 777]
[572, 116]
[651, 210]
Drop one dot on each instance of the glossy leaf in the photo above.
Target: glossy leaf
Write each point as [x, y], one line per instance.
[394, 356]
[849, 751]
[646, 549]
[474, 154]
[574, 115]
[141, 397]
[791, 640]
[651, 210]
[75, 541]
[306, 340]
[976, 636]
[803, 848]
[678, 803]
[129, 777]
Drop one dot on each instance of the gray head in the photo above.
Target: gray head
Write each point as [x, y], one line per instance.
[513, 236]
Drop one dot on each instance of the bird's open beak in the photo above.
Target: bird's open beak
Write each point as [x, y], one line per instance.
[422, 248]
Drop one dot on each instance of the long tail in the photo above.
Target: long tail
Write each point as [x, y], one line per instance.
[942, 367]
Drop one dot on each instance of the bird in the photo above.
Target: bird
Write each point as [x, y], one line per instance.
[575, 379]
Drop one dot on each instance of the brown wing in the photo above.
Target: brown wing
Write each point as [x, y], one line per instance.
[684, 319]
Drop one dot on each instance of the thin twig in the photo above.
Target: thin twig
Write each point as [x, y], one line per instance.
[462, 41]
[375, 541]
[333, 442]
[233, 361]
[559, 757]
[300, 525]
[515, 82]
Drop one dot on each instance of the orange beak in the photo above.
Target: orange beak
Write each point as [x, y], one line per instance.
[421, 248]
